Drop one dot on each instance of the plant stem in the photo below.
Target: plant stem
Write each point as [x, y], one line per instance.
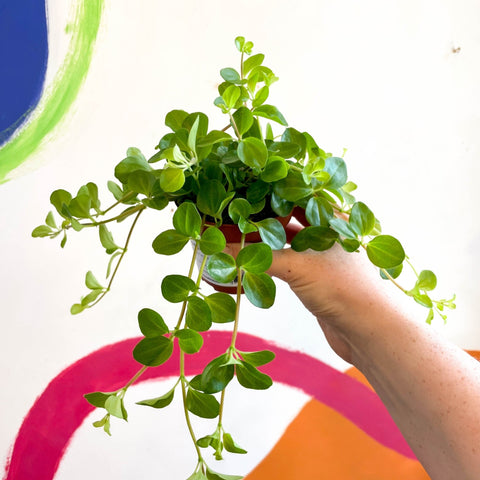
[121, 216]
[234, 125]
[122, 199]
[135, 377]
[239, 296]
[185, 410]
[120, 258]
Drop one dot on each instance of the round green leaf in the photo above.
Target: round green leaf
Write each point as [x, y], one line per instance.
[187, 220]
[427, 280]
[258, 358]
[177, 288]
[222, 267]
[272, 233]
[210, 197]
[189, 340]
[42, 231]
[141, 181]
[198, 316]
[202, 404]
[169, 242]
[362, 219]
[212, 241]
[243, 119]
[239, 208]
[259, 288]
[130, 165]
[316, 238]
[393, 272]
[249, 377]
[151, 323]
[222, 306]
[230, 75]
[114, 406]
[230, 445]
[172, 179]
[175, 118]
[337, 169]
[318, 212]
[153, 351]
[276, 169]
[253, 152]
[270, 112]
[385, 251]
[292, 188]
[215, 376]
[255, 258]
[231, 95]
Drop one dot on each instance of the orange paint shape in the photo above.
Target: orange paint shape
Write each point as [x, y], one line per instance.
[321, 443]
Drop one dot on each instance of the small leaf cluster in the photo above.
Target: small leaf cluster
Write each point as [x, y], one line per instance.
[252, 172]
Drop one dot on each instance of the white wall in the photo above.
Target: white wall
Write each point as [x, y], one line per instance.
[379, 78]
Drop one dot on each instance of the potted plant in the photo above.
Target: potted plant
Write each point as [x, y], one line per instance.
[250, 177]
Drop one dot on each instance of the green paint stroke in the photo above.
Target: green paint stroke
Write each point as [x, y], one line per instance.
[62, 92]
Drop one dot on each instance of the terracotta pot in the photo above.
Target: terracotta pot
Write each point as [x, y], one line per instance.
[233, 235]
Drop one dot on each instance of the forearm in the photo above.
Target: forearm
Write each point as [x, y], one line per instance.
[430, 387]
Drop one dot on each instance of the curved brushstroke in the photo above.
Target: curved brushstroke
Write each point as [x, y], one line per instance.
[60, 95]
[23, 60]
[51, 422]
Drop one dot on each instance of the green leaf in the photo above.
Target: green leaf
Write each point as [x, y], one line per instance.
[230, 75]
[253, 152]
[169, 242]
[239, 208]
[222, 307]
[159, 402]
[91, 282]
[189, 340]
[215, 376]
[153, 351]
[337, 169]
[257, 191]
[231, 95]
[98, 399]
[427, 280]
[276, 169]
[258, 358]
[175, 119]
[259, 288]
[198, 316]
[210, 198]
[240, 43]
[211, 475]
[130, 165]
[114, 406]
[187, 220]
[255, 258]
[42, 231]
[291, 135]
[292, 188]
[192, 135]
[343, 228]
[115, 190]
[270, 112]
[58, 199]
[50, 220]
[253, 61]
[318, 212]
[284, 149]
[77, 308]
[202, 404]
[222, 267]
[385, 251]
[135, 152]
[261, 96]
[177, 288]
[423, 300]
[212, 241]
[80, 206]
[230, 445]
[151, 323]
[213, 137]
[243, 119]
[172, 179]
[393, 272]
[197, 476]
[141, 182]
[316, 238]
[430, 316]
[350, 245]
[106, 239]
[91, 297]
[245, 226]
[362, 219]
[249, 377]
[272, 233]
[280, 206]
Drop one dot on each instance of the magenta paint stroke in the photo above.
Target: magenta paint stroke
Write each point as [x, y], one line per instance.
[61, 409]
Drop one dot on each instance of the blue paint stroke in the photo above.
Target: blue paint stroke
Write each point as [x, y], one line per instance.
[23, 61]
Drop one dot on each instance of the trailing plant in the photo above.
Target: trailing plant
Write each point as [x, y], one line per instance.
[247, 174]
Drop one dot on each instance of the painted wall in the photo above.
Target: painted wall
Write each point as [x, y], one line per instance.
[396, 83]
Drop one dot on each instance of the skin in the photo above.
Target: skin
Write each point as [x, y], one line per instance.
[430, 386]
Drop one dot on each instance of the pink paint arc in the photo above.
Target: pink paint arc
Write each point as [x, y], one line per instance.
[60, 410]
